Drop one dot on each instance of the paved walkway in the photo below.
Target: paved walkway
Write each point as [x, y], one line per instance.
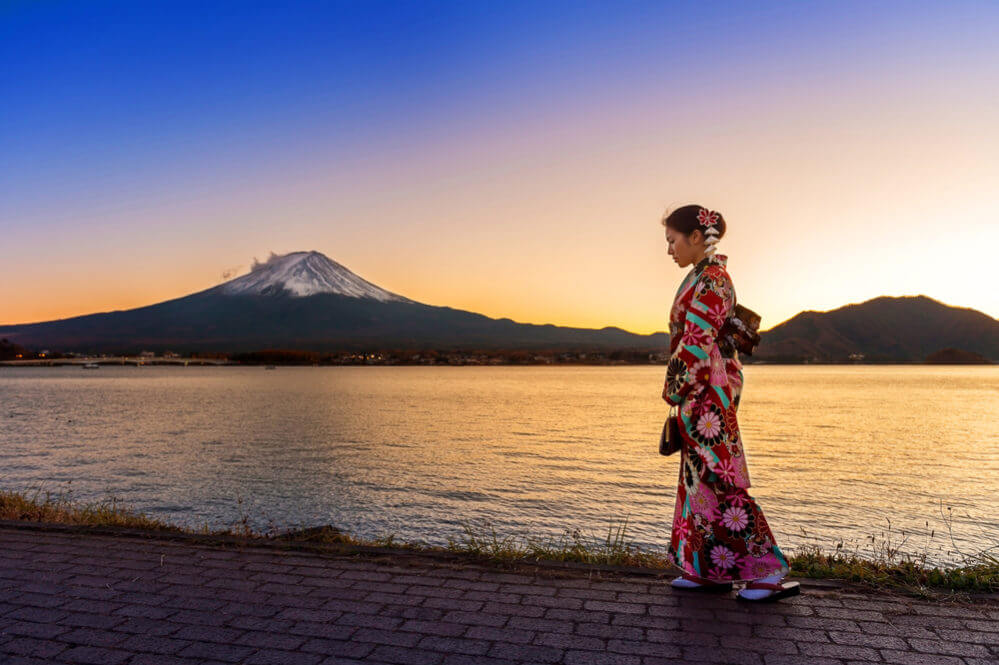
[70, 597]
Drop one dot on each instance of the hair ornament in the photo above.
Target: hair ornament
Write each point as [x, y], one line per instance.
[708, 219]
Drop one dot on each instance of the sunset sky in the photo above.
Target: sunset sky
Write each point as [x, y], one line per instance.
[509, 158]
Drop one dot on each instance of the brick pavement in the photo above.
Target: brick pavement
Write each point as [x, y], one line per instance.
[72, 597]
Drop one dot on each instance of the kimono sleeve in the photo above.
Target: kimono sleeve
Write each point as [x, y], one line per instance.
[689, 368]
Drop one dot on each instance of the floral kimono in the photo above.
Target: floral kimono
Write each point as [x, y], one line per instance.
[719, 532]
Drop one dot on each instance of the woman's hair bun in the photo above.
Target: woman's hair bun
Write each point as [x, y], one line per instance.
[690, 218]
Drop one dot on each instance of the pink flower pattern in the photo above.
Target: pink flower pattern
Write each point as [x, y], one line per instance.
[705, 503]
[694, 336]
[723, 557]
[709, 425]
[681, 528]
[719, 531]
[700, 372]
[717, 313]
[726, 469]
[736, 499]
[735, 518]
[755, 567]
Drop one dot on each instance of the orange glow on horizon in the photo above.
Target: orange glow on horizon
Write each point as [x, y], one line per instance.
[540, 201]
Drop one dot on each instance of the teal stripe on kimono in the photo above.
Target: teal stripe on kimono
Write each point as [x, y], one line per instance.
[721, 394]
[697, 564]
[699, 321]
[699, 305]
[696, 351]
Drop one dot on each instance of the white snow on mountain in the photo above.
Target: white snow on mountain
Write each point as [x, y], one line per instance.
[305, 274]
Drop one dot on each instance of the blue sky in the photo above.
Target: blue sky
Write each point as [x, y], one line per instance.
[478, 154]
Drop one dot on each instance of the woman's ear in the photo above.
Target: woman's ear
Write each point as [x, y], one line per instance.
[696, 238]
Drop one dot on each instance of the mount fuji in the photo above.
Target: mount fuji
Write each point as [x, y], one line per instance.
[305, 274]
[306, 301]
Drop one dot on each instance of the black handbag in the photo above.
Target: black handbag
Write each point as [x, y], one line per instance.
[669, 440]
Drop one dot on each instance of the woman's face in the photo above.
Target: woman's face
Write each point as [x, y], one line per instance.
[680, 247]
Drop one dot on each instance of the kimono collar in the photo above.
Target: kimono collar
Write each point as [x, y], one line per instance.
[717, 260]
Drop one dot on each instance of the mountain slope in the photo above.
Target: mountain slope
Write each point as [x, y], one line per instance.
[304, 300]
[886, 328]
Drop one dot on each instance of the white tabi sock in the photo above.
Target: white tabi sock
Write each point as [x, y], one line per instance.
[756, 594]
[684, 583]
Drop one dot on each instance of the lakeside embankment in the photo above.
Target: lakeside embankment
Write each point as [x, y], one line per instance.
[471, 362]
[71, 596]
[888, 569]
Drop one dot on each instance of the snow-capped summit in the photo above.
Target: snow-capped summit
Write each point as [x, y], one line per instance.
[305, 274]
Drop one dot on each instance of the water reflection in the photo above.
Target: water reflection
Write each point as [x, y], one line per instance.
[416, 450]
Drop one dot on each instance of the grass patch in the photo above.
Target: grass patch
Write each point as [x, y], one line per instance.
[45, 506]
[886, 564]
[41, 505]
[883, 567]
[979, 574]
[613, 549]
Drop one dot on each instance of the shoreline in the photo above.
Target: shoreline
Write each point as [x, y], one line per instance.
[899, 572]
[205, 362]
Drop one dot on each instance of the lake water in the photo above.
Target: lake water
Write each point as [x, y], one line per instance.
[835, 452]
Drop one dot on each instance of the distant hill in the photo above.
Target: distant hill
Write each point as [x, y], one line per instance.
[956, 357]
[305, 300]
[883, 329]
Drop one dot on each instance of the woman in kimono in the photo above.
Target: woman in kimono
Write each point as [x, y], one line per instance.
[719, 533]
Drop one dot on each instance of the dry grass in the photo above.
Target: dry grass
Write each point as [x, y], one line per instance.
[45, 506]
[885, 566]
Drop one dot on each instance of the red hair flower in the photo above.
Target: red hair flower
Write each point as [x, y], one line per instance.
[707, 218]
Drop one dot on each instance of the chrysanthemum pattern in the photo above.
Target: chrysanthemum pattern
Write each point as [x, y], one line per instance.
[723, 557]
[735, 518]
[676, 374]
[708, 429]
[704, 503]
[694, 337]
[726, 469]
[699, 379]
[719, 531]
[700, 373]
